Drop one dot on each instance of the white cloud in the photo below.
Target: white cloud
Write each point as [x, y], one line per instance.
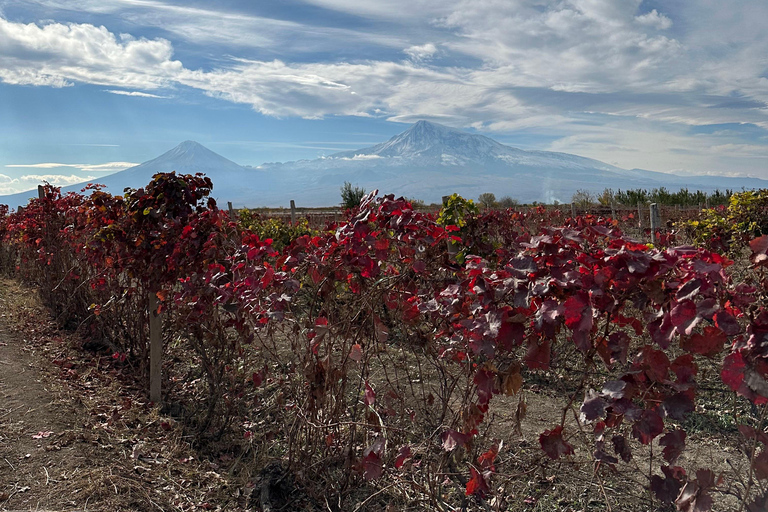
[231, 28]
[134, 93]
[57, 55]
[10, 185]
[105, 167]
[362, 157]
[55, 179]
[654, 19]
[421, 52]
[391, 9]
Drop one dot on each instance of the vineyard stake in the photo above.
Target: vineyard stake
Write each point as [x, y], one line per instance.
[155, 350]
[231, 210]
[293, 212]
[655, 221]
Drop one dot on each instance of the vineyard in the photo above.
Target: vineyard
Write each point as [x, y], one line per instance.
[397, 359]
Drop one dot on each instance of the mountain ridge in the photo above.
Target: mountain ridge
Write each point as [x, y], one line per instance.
[426, 161]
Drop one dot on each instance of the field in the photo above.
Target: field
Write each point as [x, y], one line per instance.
[393, 359]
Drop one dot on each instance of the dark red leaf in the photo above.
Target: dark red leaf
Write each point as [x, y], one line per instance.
[404, 454]
[727, 323]
[759, 245]
[678, 406]
[684, 317]
[553, 444]
[709, 343]
[654, 362]
[760, 465]
[485, 381]
[674, 444]
[451, 439]
[684, 368]
[510, 335]
[689, 290]
[733, 371]
[370, 394]
[372, 464]
[621, 447]
[593, 406]
[648, 426]
[668, 488]
[538, 354]
[662, 331]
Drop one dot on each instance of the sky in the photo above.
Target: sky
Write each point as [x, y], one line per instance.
[91, 87]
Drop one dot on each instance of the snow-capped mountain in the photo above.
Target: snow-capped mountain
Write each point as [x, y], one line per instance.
[427, 161]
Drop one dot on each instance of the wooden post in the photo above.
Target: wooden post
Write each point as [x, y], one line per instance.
[573, 210]
[40, 191]
[231, 210]
[613, 210]
[639, 215]
[445, 200]
[155, 351]
[655, 221]
[293, 212]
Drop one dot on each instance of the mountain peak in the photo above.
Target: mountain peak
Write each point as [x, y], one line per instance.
[427, 139]
[190, 146]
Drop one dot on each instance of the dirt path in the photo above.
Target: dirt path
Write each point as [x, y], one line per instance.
[42, 453]
[77, 435]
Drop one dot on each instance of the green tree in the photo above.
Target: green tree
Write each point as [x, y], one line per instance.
[351, 196]
[583, 198]
[487, 199]
[508, 202]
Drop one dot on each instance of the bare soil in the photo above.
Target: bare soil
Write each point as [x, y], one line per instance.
[74, 437]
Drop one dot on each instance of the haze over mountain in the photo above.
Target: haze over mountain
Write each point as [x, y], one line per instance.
[427, 161]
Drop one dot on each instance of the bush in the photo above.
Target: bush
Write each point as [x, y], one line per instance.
[487, 199]
[351, 196]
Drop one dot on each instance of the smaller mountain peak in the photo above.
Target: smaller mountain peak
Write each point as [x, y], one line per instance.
[189, 144]
[423, 124]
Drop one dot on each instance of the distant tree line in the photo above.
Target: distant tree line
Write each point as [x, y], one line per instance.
[661, 196]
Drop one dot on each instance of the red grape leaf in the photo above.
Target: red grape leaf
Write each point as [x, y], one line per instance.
[553, 444]
[486, 459]
[667, 489]
[538, 354]
[593, 406]
[404, 454]
[622, 449]
[674, 444]
[486, 385]
[709, 343]
[684, 316]
[733, 371]
[678, 405]
[648, 426]
[727, 323]
[370, 394]
[452, 439]
[476, 484]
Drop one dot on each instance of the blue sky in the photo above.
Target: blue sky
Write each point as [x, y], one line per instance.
[89, 87]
